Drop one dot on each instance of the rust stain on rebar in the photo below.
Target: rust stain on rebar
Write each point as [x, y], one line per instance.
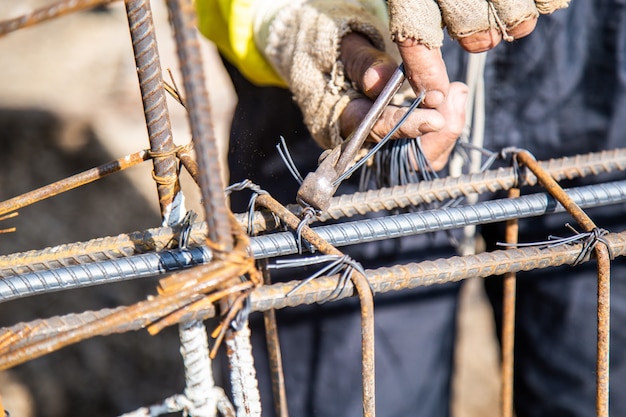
[72, 182]
[147, 60]
[47, 13]
[182, 19]
[508, 320]
[604, 277]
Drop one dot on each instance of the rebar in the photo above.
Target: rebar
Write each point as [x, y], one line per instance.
[245, 388]
[603, 257]
[274, 352]
[199, 387]
[284, 243]
[453, 187]
[96, 273]
[48, 12]
[162, 148]
[364, 292]
[508, 320]
[72, 182]
[181, 14]
[347, 205]
[280, 295]
[348, 233]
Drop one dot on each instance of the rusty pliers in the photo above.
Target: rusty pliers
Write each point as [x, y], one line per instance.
[318, 187]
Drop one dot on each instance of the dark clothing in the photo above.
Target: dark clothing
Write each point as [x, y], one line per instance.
[562, 91]
[558, 92]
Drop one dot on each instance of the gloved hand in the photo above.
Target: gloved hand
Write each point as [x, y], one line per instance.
[478, 25]
[331, 53]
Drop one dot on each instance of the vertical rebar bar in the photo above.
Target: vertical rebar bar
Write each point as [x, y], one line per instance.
[156, 113]
[182, 19]
[198, 369]
[239, 351]
[242, 373]
[604, 279]
[508, 320]
[273, 351]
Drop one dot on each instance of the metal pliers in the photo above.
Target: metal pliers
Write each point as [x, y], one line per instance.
[318, 187]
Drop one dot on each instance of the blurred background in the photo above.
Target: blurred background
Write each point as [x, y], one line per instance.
[70, 101]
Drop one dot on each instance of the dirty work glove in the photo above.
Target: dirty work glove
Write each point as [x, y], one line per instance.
[301, 39]
[423, 20]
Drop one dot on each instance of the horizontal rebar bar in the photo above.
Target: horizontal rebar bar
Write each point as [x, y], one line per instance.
[284, 243]
[382, 280]
[84, 275]
[48, 12]
[348, 233]
[157, 239]
[72, 182]
[453, 187]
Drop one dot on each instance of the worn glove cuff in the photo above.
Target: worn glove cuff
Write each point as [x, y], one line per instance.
[303, 46]
[423, 20]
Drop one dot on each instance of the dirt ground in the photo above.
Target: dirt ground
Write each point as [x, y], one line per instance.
[69, 101]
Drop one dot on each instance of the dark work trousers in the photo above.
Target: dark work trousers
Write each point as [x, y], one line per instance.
[562, 91]
[321, 344]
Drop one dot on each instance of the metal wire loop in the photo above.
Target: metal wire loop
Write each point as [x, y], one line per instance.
[308, 214]
[256, 191]
[338, 263]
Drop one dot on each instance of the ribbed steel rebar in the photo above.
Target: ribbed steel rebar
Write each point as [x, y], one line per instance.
[277, 296]
[182, 20]
[280, 244]
[72, 182]
[124, 245]
[347, 205]
[603, 258]
[452, 187]
[198, 369]
[284, 243]
[48, 12]
[156, 113]
[96, 273]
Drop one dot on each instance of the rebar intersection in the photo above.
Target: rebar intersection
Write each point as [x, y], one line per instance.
[213, 287]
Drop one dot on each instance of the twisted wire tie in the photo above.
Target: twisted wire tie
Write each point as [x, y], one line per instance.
[169, 180]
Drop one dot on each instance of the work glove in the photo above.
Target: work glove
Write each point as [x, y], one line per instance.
[423, 20]
[302, 42]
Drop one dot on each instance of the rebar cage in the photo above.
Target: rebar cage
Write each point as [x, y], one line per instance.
[204, 261]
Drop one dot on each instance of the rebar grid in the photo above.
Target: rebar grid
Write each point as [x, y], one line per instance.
[285, 243]
[154, 240]
[190, 296]
[81, 326]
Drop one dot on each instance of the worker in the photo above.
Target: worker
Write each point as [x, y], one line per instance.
[309, 70]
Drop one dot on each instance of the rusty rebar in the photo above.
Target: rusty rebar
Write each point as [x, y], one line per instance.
[284, 243]
[162, 148]
[72, 182]
[508, 320]
[281, 295]
[273, 351]
[347, 205]
[182, 20]
[604, 278]
[364, 292]
[48, 12]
